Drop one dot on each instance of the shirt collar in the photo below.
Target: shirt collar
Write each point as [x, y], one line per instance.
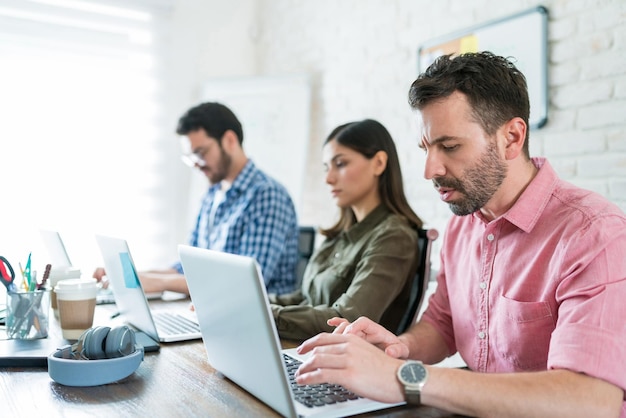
[243, 179]
[526, 211]
[356, 231]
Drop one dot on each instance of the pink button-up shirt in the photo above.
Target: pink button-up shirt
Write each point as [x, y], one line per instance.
[541, 287]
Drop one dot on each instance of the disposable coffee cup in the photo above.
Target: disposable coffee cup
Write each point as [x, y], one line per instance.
[76, 300]
[57, 274]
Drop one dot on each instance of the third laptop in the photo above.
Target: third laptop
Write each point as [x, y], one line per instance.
[60, 258]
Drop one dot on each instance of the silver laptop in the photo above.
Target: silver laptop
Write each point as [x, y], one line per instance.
[240, 336]
[56, 248]
[161, 325]
[60, 258]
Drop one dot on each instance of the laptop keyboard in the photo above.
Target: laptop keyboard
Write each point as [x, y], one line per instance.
[315, 395]
[170, 323]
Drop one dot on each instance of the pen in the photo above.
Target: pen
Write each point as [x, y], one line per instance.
[46, 274]
[24, 284]
[27, 270]
[33, 281]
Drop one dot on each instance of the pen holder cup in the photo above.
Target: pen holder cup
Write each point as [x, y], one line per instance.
[28, 314]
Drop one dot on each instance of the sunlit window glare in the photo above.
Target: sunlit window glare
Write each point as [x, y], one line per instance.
[98, 8]
[79, 129]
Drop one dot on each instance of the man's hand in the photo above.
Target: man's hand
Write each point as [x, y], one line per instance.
[352, 362]
[100, 275]
[371, 332]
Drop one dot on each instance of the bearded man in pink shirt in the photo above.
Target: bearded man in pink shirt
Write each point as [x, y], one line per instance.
[532, 286]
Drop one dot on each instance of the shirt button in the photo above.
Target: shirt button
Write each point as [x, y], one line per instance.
[481, 335]
[490, 237]
[483, 285]
[336, 255]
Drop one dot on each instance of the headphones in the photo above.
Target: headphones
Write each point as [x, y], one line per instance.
[101, 355]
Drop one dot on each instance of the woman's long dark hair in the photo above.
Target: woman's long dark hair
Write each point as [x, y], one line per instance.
[367, 137]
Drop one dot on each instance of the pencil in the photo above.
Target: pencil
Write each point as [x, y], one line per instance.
[24, 283]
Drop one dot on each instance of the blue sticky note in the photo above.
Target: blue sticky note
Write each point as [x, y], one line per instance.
[131, 280]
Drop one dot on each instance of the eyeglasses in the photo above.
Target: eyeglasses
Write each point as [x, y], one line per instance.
[195, 159]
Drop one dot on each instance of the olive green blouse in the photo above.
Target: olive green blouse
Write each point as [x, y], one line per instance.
[364, 271]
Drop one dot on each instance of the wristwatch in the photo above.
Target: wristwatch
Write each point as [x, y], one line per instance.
[412, 374]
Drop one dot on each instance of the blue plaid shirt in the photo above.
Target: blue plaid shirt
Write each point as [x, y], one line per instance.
[257, 218]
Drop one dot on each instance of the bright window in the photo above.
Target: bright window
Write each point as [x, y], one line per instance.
[79, 126]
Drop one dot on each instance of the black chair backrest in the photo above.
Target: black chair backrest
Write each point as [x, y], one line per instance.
[306, 245]
[425, 238]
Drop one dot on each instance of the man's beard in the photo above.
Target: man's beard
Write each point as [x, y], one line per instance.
[222, 168]
[479, 183]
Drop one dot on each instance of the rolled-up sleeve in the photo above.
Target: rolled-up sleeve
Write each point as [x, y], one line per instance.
[590, 336]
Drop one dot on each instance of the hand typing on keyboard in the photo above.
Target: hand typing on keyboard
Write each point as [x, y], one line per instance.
[315, 395]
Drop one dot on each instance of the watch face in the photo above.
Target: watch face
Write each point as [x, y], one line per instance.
[413, 373]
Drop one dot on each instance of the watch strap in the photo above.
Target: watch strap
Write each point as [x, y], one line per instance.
[413, 397]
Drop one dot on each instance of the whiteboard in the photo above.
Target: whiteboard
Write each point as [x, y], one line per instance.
[523, 36]
[274, 112]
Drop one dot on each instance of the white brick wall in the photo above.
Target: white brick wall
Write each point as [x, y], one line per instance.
[363, 56]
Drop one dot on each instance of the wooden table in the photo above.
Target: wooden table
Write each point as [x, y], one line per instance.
[176, 381]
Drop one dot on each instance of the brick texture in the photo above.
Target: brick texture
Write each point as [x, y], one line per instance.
[362, 55]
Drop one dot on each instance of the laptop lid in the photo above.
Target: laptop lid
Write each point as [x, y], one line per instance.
[239, 334]
[236, 324]
[59, 257]
[56, 248]
[129, 295]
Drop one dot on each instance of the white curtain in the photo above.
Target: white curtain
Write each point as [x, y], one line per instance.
[80, 134]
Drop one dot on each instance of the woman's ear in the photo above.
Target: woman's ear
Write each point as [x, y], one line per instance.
[379, 160]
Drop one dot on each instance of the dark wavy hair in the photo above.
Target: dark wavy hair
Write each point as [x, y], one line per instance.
[367, 137]
[214, 118]
[495, 88]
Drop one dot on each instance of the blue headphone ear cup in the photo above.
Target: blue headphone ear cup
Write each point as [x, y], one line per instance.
[78, 348]
[93, 343]
[120, 342]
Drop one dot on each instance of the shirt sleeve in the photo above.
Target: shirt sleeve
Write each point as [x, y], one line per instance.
[293, 298]
[270, 221]
[438, 312]
[589, 336]
[380, 275]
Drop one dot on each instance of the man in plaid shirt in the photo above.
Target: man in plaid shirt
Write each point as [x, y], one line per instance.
[243, 212]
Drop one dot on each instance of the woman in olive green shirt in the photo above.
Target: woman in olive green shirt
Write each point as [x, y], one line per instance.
[369, 259]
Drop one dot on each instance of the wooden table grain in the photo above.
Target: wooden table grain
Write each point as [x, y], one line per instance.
[176, 381]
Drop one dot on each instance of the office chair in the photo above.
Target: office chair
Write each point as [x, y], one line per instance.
[306, 245]
[425, 238]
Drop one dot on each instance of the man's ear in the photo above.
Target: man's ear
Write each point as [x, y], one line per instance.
[229, 141]
[380, 162]
[514, 136]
